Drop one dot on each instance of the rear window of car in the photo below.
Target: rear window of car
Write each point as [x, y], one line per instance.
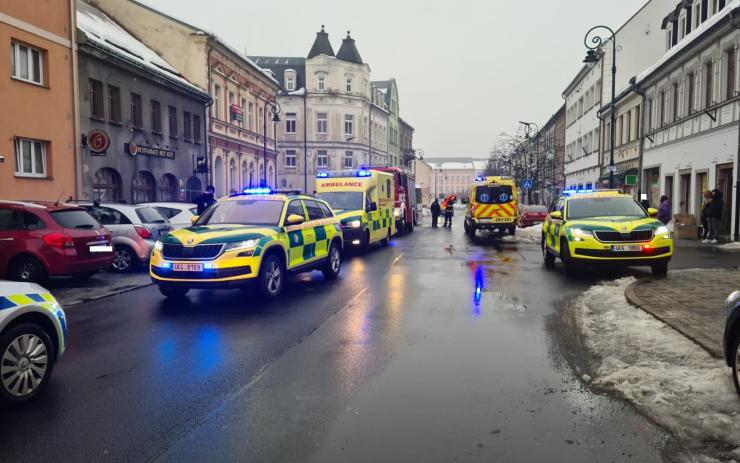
[496, 194]
[149, 215]
[75, 218]
[535, 209]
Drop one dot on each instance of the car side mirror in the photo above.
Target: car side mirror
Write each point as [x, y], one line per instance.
[295, 219]
[652, 212]
[194, 219]
[373, 207]
[556, 215]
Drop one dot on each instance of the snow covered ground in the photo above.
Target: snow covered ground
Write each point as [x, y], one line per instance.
[526, 235]
[665, 375]
[733, 246]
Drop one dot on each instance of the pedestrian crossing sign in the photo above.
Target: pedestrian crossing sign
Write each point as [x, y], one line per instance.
[527, 184]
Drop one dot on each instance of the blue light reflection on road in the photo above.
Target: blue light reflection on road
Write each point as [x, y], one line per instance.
[208, 351]
[478, 290]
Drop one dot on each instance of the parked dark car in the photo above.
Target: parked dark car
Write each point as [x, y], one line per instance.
[531, 215]
[43, 239]
[731, 337]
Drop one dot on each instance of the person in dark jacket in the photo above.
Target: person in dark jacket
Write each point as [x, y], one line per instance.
[714, 216]
[664, 210]
[436, 211]
[705, 215]
[204, 200]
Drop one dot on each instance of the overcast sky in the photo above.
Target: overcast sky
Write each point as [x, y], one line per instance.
[467, 70]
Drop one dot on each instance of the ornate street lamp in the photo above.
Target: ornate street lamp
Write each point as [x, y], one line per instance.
[275, 107]
[593, 57]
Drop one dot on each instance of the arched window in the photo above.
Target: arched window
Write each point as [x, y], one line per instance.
[193, 188]
[261, 173]
[145, 188]
[244, 178]
[232, 176]
[168, 188]
[107, 185]
[270, 176]
[218, 176]
[251, 174]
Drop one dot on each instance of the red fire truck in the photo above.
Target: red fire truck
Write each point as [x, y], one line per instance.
[404, 208]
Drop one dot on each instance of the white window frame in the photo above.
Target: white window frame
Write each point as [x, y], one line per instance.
[290, 84]
[217, 102]
[15, 63]
[349, 156]
[322, 123]
[349, 124]
[321, 83]
[19, 171]
[290, 122]
[349, 84]
[322, 159]
[290, 159]
[697, 15]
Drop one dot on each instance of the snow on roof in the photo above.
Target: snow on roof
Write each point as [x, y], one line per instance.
[99, 28]
[300, 92]
[689, 39]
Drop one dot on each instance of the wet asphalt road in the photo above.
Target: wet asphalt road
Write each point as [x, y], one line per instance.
[398, 360]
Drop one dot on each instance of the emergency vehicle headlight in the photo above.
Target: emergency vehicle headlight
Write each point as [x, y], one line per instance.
[158, 245]
[354, 224]
[663, 231]
[396, 212]
[241, 245]
[579, 233]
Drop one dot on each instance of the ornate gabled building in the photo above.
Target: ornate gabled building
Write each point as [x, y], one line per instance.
[389, 90]
[332, 117]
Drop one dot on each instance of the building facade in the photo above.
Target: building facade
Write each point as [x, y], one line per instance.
[408, 153]
[39, 134]
[332, 117]
[241, 133]
[454, 175]
[552, 158]
[423, 178]
[582, 128]
[143, 125]
[627, 142]
[693, 113]
[389, 91]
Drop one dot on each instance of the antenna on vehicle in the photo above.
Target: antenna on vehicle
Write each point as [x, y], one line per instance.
[60, 197]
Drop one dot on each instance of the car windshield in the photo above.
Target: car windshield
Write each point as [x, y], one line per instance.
[149, 215]
[243, 212]
[495, 194]
[75, 218]
[604, 207]
[343, 200]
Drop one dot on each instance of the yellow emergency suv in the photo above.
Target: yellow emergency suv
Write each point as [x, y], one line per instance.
[605, 227]
[363, 200]
[492, 205]
[256, 236]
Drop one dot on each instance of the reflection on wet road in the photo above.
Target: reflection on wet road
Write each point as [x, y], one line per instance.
[435, 349]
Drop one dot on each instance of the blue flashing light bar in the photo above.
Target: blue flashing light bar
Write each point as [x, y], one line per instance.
[480, 179]
[572, 192]
[364, 173]
[323, 175]
[257, 191]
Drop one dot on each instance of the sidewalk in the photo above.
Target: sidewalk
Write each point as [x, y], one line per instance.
[70, 292]
[690, 301]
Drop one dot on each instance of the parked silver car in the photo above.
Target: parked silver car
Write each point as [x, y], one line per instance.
[179, 214]
[135, 229]
[731, 337]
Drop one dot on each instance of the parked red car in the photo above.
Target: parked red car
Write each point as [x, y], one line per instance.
[40, 239]
[531, 215]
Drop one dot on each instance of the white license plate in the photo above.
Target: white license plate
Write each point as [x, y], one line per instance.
[101, 248]
[626, 247]
[187, 267]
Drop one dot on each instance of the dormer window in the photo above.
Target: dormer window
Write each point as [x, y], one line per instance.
[349, 85]
[321, 83]
[290, 80]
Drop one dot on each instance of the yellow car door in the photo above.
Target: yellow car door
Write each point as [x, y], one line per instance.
[314, 233]
[296, 236]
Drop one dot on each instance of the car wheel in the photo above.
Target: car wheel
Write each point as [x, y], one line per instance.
[512, 230]
[334, 262]
[570, 269]
[271, 277]
[469, 228]
[125, 260]
[547, 255]
[387, 238]
[173, 292]
[26, 359]
[365, 244]
[410, 226]
[402, 227]
[660, 269]
[735, 361]
[27, 269]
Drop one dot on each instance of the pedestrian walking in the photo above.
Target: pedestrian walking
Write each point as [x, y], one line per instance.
[436, 211]
[205, 199]
[705, 215]
[449, 210]
[714, 216]
[664, 210]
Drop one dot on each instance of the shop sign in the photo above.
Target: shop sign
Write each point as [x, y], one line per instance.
[200, 164]
[237, 113]
[97, 142]
[135, 150]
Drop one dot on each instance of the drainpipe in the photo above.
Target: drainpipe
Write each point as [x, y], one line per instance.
[636, 89]
[75, 99]
[734, 21]
[209, 174]
[305, 138]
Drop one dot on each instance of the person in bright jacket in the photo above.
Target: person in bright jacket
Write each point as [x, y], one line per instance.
[449, 206]
[436, 211]
[664, 210]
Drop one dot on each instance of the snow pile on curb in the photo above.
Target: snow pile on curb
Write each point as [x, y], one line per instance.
[531, 234]
[733, 246]
[660, 371]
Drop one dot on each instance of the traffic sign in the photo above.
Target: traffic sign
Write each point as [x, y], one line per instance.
[612, 169]
[527, 185]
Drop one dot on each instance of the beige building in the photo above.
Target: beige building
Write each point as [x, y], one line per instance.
[424, 180]
[240, 119]
[454, 175]
[332, 118]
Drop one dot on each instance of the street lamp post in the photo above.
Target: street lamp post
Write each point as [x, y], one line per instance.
[529, 125]
[593, 44]
[275, 107]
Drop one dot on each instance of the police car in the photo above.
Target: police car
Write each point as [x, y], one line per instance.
[33, 335]
[605, 227]
[256, 236]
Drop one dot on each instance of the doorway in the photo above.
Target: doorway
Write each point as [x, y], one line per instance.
[668, 188]
[724, 184]
[684, 192]
[652, 186]
[702, 184]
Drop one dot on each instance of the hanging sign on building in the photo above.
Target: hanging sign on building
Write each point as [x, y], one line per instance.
[136, 150]
[97, 142]
[237, 113]
[201, 165]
